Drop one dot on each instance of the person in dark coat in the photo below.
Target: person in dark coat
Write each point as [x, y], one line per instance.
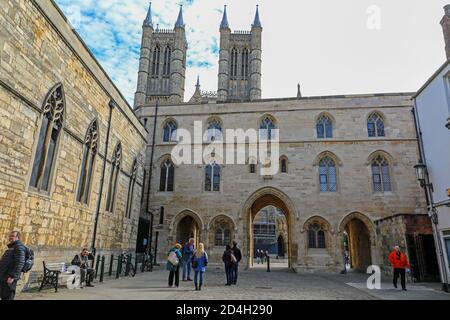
[86, 270]
[227, 260]
[11, 265]
[173, 265]
[235, 267]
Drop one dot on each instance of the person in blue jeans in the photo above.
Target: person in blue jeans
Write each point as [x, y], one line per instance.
[188, 251]
[235, 267]
[199, 263]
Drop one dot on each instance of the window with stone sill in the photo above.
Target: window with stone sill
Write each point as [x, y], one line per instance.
[114, 177]
[324, 127]
[212, 177]
[316, 237]
[52, 123]
[381, 178]
[131, 186]
[327, 175]
[170, 132]
[167, 176]
[375, 125]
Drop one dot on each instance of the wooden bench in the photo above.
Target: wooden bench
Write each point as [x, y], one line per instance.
[52, 274]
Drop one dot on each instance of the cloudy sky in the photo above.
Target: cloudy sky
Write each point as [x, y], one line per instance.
[328, 46]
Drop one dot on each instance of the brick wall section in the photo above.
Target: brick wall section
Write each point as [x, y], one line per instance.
[37, 50]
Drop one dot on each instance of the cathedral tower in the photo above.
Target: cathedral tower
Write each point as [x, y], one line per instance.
[162, 65]
[240, 62]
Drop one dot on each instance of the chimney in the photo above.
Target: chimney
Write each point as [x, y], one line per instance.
[445, 23]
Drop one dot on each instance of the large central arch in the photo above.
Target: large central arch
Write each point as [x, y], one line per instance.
[260, 199]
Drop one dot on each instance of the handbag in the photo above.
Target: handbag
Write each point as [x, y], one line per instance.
[173, 259]
[194, 263]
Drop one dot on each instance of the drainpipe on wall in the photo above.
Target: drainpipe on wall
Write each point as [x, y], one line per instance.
[100, 193]
[150, 183]
[431, 207]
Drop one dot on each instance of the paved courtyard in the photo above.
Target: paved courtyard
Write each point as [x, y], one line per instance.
[253, 284]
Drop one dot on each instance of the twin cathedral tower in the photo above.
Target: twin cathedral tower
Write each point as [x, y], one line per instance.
[162, 66]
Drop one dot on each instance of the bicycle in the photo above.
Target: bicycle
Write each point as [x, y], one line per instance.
[127, 266]
[148, 265]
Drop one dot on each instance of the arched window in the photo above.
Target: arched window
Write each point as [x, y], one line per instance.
[267, 128]
[234, 63]
[316, 237]
[214, 130]
[380, 174]
[155, 62]
[324, 127]
[375, 125]
[167, 177]
[222, 235]
[131, 189]
[88, 162]
[327, 175]
[167, 58]
[245, 64]
[52, 122]
[283, 164]
[212, 177]
[114, 177]
[170, 130]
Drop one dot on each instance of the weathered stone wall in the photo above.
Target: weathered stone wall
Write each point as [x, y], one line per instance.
[296, 120]
[38, 49]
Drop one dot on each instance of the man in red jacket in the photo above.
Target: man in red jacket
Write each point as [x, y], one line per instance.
[399, 262]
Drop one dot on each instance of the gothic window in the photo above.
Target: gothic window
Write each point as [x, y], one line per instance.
[252, 168]
[161, 215]
[214, 130]
[114, 177]
[380, 175]
[267, 128]
[131, 189]
[316, 237]
[52, 122]
[155, 62]
[234, 63]
[167, 177]
[245, 64]
[222, 235]
[167, 58]
[324, 127]
[87, 165]
[375, 125]
[327, 175]
[212, 177]
[170, 129]
[283, 164]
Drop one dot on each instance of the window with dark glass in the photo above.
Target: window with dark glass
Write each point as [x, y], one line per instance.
[170, 129]
[167, 177]
[375, 125]
[114, 177]
[381, 175]
[327, 175]
[316, 237]
[212, 177]
[324, 127]
[131, 186]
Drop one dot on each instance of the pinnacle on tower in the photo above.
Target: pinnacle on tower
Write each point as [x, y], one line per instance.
[299, 93]
[198, 82]
[180, 22]
[224, 23]
[257, 22]
[148, 22]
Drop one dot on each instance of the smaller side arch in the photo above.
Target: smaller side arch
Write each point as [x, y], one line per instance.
[184, 213]
[329, 154]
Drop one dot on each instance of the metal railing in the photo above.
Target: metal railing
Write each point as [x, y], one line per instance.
[122, 265]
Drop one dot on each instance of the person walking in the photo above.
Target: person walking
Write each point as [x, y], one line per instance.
[173, 265]
[227, 260]
[199, 263]
[188, 251]
[399, 263]
[235, 266]
[11, 265]
[258, 256]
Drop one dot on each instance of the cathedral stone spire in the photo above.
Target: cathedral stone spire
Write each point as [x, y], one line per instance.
[180, 22]
[257, 22]
[197, 97]
[148, 22]
[299, 93]
[224, 24]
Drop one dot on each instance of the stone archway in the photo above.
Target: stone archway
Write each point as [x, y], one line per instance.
[361, 239]
[187, 225]
[258, 200]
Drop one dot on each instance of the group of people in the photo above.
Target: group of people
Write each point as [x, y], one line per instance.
[187, 257]
[261, 256]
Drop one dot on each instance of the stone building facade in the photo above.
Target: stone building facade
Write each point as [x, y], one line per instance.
[346, 165]
[55, 97]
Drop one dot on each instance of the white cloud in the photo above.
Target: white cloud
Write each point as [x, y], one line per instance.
[325, 45]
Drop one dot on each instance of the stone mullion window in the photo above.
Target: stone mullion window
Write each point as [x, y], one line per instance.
[316, 237]
[87, 165]
[131, 189]
[214, 132]
[167, 177]
[267, 128]
[324, 127]
[375, 125]
[212, 177]
[115, 170]
[52, 121]
[170, 131]
[327, 175]
[381, 175]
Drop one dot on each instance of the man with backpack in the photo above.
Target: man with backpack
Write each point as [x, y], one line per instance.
[11, 266]
[235, 266]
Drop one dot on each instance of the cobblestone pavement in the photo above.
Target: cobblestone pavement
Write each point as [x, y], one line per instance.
[252, 284]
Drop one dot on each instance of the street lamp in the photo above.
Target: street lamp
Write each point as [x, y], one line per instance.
[422, 173]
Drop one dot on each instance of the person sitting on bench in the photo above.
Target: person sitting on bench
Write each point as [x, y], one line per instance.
[82, 261]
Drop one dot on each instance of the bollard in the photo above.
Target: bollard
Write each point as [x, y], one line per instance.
[268, 263]
[102, 269]
[111, 265]
[135, 263]
[128, 263]
[119, 266]
[96, 266]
